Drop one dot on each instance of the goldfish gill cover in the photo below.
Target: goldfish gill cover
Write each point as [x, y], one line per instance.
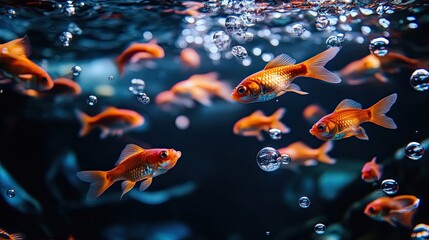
[127, 81]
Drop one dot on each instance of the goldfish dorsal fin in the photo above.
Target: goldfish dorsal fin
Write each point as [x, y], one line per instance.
[280, 61]
[348, 103]
[257, 113]
[111, 109]
[374, 159]
[19, 47]
[129, 150]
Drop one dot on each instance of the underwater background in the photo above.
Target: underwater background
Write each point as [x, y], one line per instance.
[216, 190]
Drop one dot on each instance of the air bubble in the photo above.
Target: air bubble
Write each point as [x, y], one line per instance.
[420, 80]
[320, 228]
[304, 202]
[379, 46]
[389, 186]
[267, 159]
[76, 70]
[143, 98]
[239, 51]
[10, 193]
[275, 133]
[414, 150]
[221, 40]
[91, 100]
[137, 86]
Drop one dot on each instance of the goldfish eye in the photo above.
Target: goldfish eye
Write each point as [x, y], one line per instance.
[241, 89]
[321, 127]
[44, 80]
[163, 154]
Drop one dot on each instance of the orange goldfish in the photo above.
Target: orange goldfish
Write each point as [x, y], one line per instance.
[277, 76]
[134, 164]
[14, 64]
[112, 121]
[15, 236]
[256, 122]
[400, 209]
[167, 99]
[348, 115]
[138, 51]
[373, 66]
[201, 87]
[301, 154]
[62, 86]
[372, 171]
[313, 112]
[190, 58]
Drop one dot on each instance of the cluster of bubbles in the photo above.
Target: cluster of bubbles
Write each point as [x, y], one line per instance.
[67, 36]
[414, 150]
[269, 159]
[76, 70]
[304, 202]
[91, 100]
[10, 13]
[10, 193]
[320, 228]
[275, 134]
[239, 51]
[137, 88]
[379, 46]
[389, 186]
[420, 80]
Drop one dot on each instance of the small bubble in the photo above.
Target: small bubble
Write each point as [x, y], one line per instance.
[10, 13]
[10, 193]
[298, 29]
[389, 186]
[182, 122]
[248, 37]
[239, 51]
[267, 159]
[322, 22]
[379, 46]
[414, 150]
[420, 80]
[420, 232]
[1, 91]
[110, 77]
[65, 38]
[137, 86]
[74, 29]
[275, 133]
[91, 100]
[221, 40]
[304, 202]
[384, 22]
[76, 70]
[334, 41]
[320, 228]
[211, 6]
[248, 19]
[143, 98]
[284, 159]
[268, 233]
[69, 9]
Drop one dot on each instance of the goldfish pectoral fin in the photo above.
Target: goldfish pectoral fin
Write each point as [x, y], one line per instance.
[295, 88]
[380, 77]
[126, 187]
[129, 150]
[202, 97]
[145, 184]
[361, 134]
[390, 221]
[25, 77]
[260, 137]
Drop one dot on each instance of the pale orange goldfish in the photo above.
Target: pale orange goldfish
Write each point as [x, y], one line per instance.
[190, 58]
[375, 67]
[301, 154]
[16, 236]
[372, 171]
[201, 87]
[138, 51]
[134, 164]
[112, 121]
[277, 76]
[313, 112]
[400, 209]
[14, 64]
[252, 125]
[168, 99]
[345, 121]
[62, 86]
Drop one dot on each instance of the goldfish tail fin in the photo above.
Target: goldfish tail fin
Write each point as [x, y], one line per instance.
[277, 115]
[380, 108]
[86, 123]
[405, 218]
[323, 153]
[98, 182]
[316, 66]
[17, 236]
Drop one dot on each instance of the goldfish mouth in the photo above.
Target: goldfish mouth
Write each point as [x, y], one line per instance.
[178, 154]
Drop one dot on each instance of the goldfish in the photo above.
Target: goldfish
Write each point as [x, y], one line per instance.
[301, 154]
[15, 65]
[138, 51]
[167, 99]
[375, 67]
[16, 236]
[112, 121]
[399, 209]
[313, 112]
[277, 76]
[199, 87]
[62, 86]
[134, 164]
[345, 121]
[190, 58]
[372, 171]
[256, 122]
